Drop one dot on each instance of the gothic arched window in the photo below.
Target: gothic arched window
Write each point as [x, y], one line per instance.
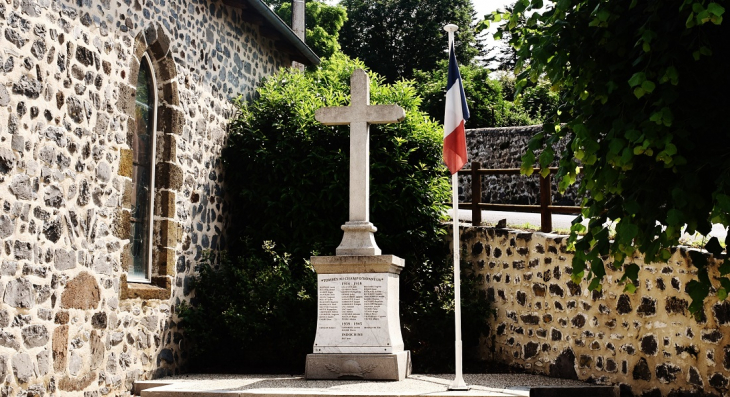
[143, 148]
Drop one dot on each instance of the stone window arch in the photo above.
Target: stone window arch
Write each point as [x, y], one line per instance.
[143, 172]
[151, 53]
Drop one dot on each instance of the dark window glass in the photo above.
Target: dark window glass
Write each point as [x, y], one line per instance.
[142, 146]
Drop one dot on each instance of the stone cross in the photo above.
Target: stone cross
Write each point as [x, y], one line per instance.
[358, 238]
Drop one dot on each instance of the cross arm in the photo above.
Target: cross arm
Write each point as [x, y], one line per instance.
[374, 114]
[383, 114]
[334, 115]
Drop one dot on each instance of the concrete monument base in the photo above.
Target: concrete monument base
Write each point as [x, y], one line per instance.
[358, 324]
[395, 366]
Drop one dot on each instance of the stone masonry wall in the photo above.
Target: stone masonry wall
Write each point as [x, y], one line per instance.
[69, 321]
[646, 342]
[503, 148]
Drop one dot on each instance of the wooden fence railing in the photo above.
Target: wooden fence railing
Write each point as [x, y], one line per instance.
[546, 209]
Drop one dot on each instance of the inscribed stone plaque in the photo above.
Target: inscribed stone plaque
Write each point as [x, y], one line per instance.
[358, 313]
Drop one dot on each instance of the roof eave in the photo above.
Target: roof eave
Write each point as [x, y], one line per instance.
[282, 28]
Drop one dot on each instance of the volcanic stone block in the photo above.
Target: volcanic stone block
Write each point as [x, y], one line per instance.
[19, 294]
[575, 391]
[624, 304]
[23, 367]
[666, 373]
[35, 335]
[647, 307]
[649, 345]
[564, 365]
[642, 371]
[722, 312]
[81, 292]
[531, 349]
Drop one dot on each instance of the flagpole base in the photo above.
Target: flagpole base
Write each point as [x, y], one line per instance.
[458, 385]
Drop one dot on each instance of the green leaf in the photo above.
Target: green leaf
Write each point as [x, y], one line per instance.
[637, 79]
[667, 118]
[721, 293]
[699, 260]
[631, 272]
[698, 292]
[725, 268]
[603, 15]
[577, 277]
[713, 246]
[528, 163]
[656, 117]
[672, 75]
[725, 282]
[723, 202]
[627, 230]
[679, 196]
[648, 86]
[632, 207]
[598, 268]
[616, 145]
[630, 288]
[595, 284]
[716, 9]
[578, 228]
[690, 22]
[675, 217]
[546, 157]
[536, 141]
[634, 135]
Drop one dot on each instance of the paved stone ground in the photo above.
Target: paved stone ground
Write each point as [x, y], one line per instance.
[481, 385]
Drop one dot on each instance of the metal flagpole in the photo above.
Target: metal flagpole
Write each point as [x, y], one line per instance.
[458, 383]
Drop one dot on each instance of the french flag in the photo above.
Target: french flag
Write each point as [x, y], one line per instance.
[457, 113]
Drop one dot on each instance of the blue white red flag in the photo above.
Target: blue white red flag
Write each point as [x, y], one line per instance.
[457, 112]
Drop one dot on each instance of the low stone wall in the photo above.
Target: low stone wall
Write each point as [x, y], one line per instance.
[503, 148]
[646, 342]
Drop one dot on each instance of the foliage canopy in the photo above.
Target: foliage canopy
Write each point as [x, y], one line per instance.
[323, 24]
[492, 102]
[645, 90]
[394, 37]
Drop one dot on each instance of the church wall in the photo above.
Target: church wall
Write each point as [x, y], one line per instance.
[645, 342]
[69, 321]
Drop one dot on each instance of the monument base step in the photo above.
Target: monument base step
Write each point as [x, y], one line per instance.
[395, 366]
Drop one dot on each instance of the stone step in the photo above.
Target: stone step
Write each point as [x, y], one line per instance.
[141, 385]
[481, 385]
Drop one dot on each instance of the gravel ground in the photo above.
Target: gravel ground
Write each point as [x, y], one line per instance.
[480, 384]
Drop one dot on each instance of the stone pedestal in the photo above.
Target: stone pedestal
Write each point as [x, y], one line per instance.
[358, 239]
[358, 321]
[396, 366]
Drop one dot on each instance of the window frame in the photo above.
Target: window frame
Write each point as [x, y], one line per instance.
[147, 279]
